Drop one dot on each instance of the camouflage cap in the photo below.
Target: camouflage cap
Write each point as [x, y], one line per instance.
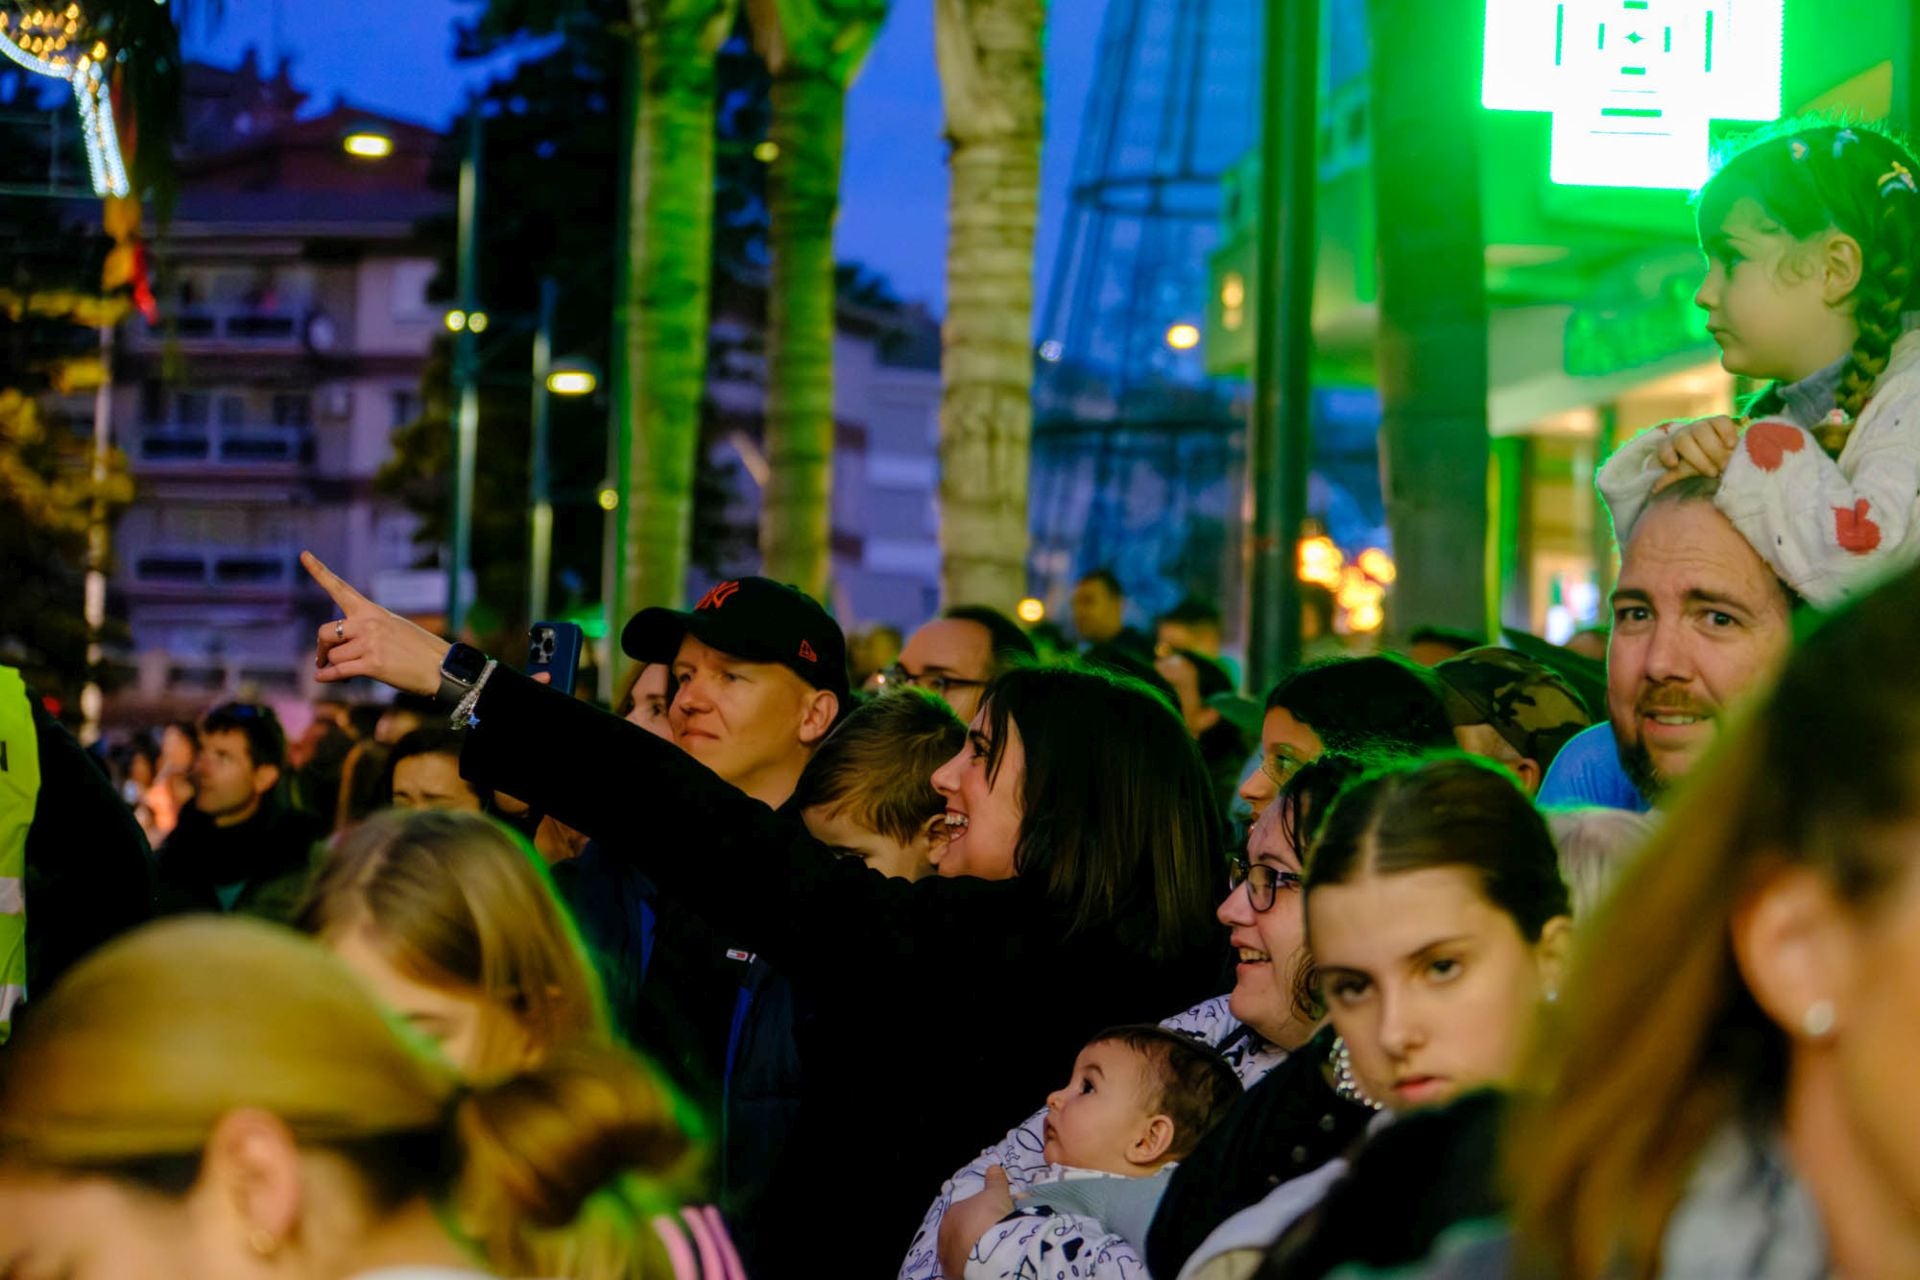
[1526, 703]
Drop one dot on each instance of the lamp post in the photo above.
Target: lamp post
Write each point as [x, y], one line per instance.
[465, 378]
[566, 378]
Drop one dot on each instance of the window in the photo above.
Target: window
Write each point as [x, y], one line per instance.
[406, 407]
[190, 408]
[233, 411]
[293, 409]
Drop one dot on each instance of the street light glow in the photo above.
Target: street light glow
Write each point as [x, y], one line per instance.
[456, 321]
[1030, 610]
[767, 152]
[572, 382]
[1183, 336]
[367, 145]
[608, 499]
[477, 322]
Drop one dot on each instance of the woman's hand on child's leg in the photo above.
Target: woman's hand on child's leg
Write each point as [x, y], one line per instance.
[965, 1221]
[1702, 447]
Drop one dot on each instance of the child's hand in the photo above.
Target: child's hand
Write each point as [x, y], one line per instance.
[1702, 447]
[967, 1220]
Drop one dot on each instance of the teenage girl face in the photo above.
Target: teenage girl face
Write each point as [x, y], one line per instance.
[983, 812]
[1430, 984]
[1773, 301]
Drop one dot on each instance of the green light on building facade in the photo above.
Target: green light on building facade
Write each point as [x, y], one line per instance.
[1633, 84]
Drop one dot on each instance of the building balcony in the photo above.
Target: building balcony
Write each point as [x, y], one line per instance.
[234, 327]
[181, 448]
[187, 574]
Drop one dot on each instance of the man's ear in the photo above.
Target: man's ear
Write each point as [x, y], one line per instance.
[1151, 1147]
[1794, 946]
[265, 778]
[1530, 774]
[822, 708]
[1841, 265]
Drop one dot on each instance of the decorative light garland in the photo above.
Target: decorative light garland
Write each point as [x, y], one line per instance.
[39, 41]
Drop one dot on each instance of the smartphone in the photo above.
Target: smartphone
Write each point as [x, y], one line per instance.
[554, 647]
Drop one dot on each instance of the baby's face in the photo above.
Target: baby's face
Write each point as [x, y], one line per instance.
[1104, 1111]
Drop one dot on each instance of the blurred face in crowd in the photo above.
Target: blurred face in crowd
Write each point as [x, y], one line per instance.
[1698, 621]
[1285, 745]
[228, 787]
[842, 831]
[1200, 637]
[396, 723]
[951, 658]
[432, 781]
[455, 1018]
[753, 723]
[983, 814]
[651, 699]
[1098, 614]
[1269, 944]
[1104, 1118]
[176, 748]
[1431, 985]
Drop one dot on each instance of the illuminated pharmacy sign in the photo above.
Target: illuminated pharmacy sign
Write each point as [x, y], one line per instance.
[1632, 84]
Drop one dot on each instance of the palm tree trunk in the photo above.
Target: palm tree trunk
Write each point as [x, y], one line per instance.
[661, 307]
[803, 197]
[991, 55]
[1432, 348]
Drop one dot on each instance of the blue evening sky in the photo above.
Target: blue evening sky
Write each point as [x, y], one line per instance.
[397, 58]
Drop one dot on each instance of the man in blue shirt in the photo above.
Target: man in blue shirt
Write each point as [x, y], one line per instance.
[1699, 621]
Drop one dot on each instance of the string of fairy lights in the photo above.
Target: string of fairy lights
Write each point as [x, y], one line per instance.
[48, 42]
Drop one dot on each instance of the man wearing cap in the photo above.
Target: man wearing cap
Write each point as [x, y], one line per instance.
[1510, 709]
[759, 677]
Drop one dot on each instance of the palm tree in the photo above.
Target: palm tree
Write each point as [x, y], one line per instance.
[1432, 346]
[990, 54]
[813, 49]
[660, 307]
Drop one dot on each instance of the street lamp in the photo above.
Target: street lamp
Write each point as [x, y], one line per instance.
[367, 142]
[1183, 336]
[573, 379]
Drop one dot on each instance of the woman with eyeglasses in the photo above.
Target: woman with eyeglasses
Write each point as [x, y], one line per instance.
[1290, 1121]
[1082, 857]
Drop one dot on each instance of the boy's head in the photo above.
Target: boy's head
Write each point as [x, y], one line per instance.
[868, 790]
[1140, 1098]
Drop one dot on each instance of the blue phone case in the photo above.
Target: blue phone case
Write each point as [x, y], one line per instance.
[554, 647]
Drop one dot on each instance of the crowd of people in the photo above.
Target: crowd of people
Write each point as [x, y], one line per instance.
[951, 954]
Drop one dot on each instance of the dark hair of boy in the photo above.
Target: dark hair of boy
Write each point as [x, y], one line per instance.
[880, 761]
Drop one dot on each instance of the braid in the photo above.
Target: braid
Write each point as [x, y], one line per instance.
[1879, 303]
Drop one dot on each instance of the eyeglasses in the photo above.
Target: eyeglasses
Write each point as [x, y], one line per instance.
[931, 681]
[1280, 769]
[1263, 882]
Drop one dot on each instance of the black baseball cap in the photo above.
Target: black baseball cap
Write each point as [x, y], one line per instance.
[755, 620]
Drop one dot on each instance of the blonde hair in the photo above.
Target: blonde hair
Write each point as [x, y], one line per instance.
[1663, 1044]
[141, 1050]
[454, 901]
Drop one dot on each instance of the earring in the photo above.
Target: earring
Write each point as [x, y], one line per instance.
[1818, 1020]
[1553, 995]
[1345, 1083]
[263, 1242]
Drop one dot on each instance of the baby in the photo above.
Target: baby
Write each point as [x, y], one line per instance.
[1140, 1099]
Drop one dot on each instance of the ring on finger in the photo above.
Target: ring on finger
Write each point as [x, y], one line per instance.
[340, 629]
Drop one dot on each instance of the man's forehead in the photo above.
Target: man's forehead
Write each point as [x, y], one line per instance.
[1268, 838]
[1683, 548]
[695, 652]
[948, 642]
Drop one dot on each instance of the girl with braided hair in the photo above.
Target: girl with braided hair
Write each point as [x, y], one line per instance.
[1811, 234]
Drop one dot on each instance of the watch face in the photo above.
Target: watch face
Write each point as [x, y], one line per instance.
[464, 663]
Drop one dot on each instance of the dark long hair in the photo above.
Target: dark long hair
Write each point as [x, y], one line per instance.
[1118, 816]
[1810, 175]
[1664, 1045]
[1449, 811]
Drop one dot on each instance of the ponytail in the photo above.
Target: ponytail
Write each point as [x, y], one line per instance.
[1881, 301]
[564, 1167]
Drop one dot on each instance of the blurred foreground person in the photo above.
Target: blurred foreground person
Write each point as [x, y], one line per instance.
[219, 1099]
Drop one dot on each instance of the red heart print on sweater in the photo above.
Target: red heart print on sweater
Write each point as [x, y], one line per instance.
[1769, 442]
[1853, 530]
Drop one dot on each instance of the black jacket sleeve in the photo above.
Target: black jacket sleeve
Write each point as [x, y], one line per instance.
[753, 873]
[89, 878]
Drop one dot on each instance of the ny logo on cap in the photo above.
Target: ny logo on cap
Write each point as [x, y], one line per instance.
[717, 596]
[807, 653]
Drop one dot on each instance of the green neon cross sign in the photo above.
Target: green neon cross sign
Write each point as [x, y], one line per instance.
[1632, 84]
